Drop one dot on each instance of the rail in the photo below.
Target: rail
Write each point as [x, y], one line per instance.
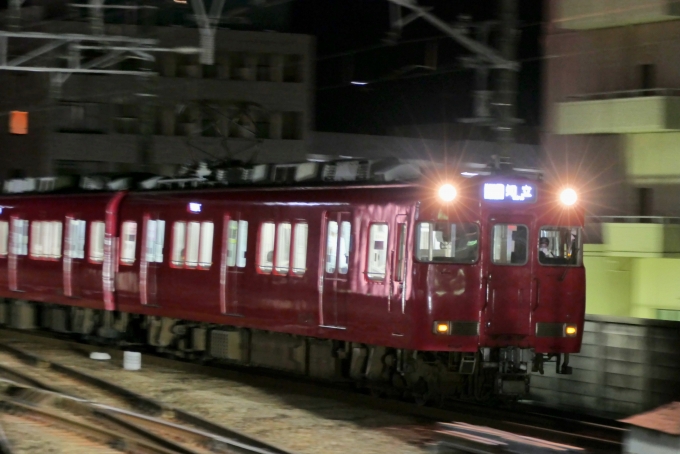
[153, 418]
[625, 94]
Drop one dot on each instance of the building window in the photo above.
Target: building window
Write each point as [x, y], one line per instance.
[76, 239]
[648, 78]
[4, 237]
[128, 242]
[265, 259]
[377, 252]
[300, 248]
[155, 236]
[97, 242]
[18, 122]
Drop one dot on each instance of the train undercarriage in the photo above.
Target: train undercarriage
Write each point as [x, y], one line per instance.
[427, 377]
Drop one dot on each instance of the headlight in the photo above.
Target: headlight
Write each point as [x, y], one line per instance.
[568, 197]
[447, 193]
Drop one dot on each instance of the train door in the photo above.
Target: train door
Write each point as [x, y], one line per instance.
[336, 273]
[397, 296]
[509, 277]
[74, 256]
[4, 251]
[151, 258]
[232, 263]
[18, 252]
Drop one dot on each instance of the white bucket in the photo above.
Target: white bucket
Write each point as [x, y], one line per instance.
[132, 360]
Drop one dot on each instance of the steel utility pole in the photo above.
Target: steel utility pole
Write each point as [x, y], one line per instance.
[507, 79]
[492, 108]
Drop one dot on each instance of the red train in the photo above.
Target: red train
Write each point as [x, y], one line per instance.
[433, 290]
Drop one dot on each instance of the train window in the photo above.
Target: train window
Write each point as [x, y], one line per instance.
[97, 242]
[332, 243]
[265, 260]
[205, 256]
[128, 243]
[283, 248]
[192, 244]
[46, 240]
[19, 237]
[401, 252]
[36, 240]
[178, 239]
[238, 242]
[76, 239]
[377, 252]
[509, 245]
[4, 237]
[447, 242]
[300, 248]
[242, 244]
[343, 247]
[560, 246]
[232, 242]
[155, 237]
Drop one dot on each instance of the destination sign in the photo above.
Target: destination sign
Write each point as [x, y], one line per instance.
[510, 192]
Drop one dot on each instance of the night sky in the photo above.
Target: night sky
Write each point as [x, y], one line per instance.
[403, 93]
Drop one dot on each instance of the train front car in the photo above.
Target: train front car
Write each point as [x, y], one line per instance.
[500, 262]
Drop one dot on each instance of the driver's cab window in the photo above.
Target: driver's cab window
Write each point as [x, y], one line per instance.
[560, 246]
[509, 244]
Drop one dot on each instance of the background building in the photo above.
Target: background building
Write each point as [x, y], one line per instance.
[256, 101]
[611, 105]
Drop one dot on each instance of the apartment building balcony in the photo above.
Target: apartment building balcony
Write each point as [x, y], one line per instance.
[620, 112]
[594, 14]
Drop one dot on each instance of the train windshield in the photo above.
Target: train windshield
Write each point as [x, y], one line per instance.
[447, 242]
[560, 246]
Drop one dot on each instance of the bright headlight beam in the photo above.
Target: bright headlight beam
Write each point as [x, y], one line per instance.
[568, 197]
[447, 193]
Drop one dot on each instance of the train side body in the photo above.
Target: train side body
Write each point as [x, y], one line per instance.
[487, 305]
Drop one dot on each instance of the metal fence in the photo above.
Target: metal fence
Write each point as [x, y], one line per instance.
[626, 366]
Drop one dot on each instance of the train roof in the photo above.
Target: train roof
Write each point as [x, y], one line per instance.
[306, 175]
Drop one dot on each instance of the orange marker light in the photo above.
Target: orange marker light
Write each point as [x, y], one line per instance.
[442, 328]
[570, 330]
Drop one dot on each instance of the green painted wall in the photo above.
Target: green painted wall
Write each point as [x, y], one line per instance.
[590, 14]
[641, 240]
[608, 285]
[634, 273]
[619, 115]
[655, 285]
[653, 158]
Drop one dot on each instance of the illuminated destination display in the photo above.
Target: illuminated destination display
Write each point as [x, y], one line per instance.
[524, 192]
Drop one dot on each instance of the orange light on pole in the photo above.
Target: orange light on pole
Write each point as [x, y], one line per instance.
[18, 122]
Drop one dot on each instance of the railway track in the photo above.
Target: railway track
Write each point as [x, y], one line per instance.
[129, 421]
[598, 436]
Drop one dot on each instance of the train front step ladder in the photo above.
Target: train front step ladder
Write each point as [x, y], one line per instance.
[468, 363]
